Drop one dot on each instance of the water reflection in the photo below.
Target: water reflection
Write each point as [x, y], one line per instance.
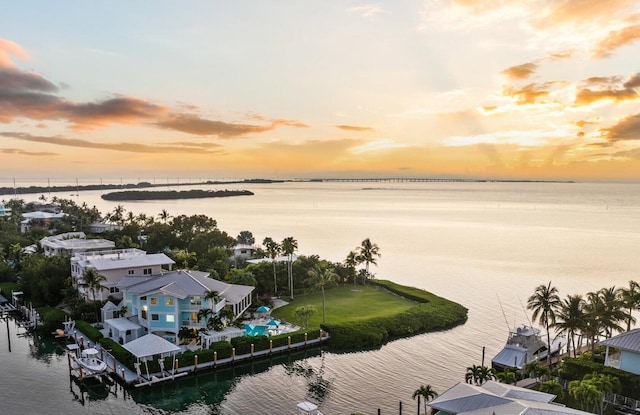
[318, 386]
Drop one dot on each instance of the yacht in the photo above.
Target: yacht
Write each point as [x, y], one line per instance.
[525, 344]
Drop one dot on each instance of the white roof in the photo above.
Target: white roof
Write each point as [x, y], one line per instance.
[149, 345]
[499, 399]
[122, 324]
[628, 341]
[125, 261]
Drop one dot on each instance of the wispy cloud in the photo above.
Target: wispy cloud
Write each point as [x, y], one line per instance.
[122, 146]
[193, 124]
[25, 152]
[626, 129]
[521, 71]
[378, 145]
[8, 48]
[369, 10]
[354, 128]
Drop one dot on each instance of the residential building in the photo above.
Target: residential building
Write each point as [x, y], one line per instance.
[114, 265]
[72, 243]
[499, 399]
[101, 227]
[162, 304]
[39, 219]
[623, 351]
[4, 211]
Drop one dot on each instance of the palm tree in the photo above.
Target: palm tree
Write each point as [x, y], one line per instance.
[351, 262]
[368, 252]
[630, 300]
[570, 319]
[508, 376]
[473, 374]
[545, 303]
[319, 279]
[553, 387]
[426, 392]
[93, 281]
[164, 215]
[212, 296]
[613, 312]
[289, 247]
[273, 249]
[205, 314]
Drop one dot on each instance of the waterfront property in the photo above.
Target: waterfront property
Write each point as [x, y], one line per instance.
[626, 353]
[72, 243]
[163, 304]
[114, 265]
[497, 398]
[39, 219]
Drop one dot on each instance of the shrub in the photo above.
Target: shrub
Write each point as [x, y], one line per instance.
[52, 319]
[88, 330]
[577, 368]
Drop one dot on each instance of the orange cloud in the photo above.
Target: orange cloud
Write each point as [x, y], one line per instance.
[617, 39]
[587, 96]
[520, 71]
[26, 153]
[194, 148]
[354, 128]
[529, 94]
[193, 124]
[626, 129]
[8, 48]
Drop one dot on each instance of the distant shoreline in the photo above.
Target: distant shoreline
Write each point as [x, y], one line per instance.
[6, 190]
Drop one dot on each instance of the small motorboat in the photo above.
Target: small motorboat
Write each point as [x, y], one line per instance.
[90, 361]
[308, 408]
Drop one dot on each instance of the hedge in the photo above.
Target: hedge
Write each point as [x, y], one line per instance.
[88, 330]
[576, 368]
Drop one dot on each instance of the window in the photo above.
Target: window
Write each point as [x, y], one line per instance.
[154, 300]
[171, 318]
[155, 317]
[143, 298]
[194, 316]
[114, 290]
[146, 271]
[130, 272]
[196, 301]
[144, 314]
[169, 301]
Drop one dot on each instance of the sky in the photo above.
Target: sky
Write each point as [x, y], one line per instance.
[512, 89]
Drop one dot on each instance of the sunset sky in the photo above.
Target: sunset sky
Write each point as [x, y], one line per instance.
[305, 89]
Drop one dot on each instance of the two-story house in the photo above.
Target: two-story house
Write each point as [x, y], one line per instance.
[114, 265]
[165, 303]
[72, 243]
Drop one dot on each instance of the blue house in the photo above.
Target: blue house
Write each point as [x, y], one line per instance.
[626, 351]
[162, 304]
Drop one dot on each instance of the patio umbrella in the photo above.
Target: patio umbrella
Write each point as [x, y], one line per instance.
[273, 322]
[263, 309]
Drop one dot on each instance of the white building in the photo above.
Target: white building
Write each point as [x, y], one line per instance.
[71, 243]
[39, 218]
[114, 265]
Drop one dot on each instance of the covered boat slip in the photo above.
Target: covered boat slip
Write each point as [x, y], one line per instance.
[144, 349]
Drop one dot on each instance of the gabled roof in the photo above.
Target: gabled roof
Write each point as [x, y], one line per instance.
[182, 284]
[499, 399]
[149, 345]
[629, 341]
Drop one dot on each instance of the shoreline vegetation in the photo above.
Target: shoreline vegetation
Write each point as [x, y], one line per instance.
[172, 194]
[21, 190]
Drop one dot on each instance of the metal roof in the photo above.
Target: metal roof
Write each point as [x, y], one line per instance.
[149, 345]
[629, 341]
[125, 261]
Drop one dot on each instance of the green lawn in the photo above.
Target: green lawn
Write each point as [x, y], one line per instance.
[346, 304]
[6, 288]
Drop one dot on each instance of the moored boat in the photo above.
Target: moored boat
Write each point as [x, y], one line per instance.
[308, 408]
[525, 344]
[90, 362]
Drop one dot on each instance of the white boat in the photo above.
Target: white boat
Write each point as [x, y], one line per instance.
[89, 361]
[308, 408]
[525, 344]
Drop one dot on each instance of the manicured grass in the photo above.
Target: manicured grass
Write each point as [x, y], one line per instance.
[6, 288]
[347, 304]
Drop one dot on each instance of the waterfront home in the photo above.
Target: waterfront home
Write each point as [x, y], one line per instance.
[4, 211]
[242, 253]
[101, 227]
[497, 398]
[39, 219]
[72, 243]
[114, 265]
[163, 304]
[623, 351]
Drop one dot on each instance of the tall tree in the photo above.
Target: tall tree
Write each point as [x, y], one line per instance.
[321, 277]
[570, 319]
[351, 262]
[630, 301]
[427, 393]
[212, 296]
[289, 247]
[545, 303]
[613, 313]
[273, 250]
[246, 238]
[164, 216]
[93, 281]
[368, 252]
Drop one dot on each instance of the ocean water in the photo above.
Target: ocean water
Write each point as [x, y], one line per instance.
[484, 245]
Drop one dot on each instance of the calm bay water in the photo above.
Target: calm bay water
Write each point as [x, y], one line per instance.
[484, 245]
